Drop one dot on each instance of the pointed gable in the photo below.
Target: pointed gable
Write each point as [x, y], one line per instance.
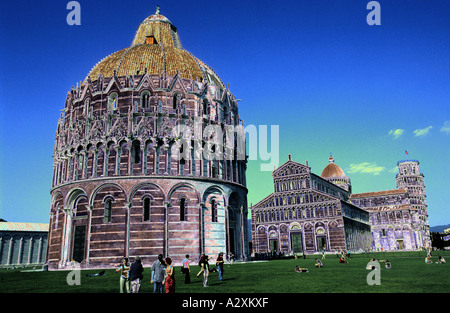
[291, 168]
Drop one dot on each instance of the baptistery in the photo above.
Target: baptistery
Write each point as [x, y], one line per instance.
[149, 159]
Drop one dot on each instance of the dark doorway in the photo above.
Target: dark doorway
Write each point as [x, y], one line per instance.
[321, 244]
[296, 242]
[232, 241]
[79, 239]
[273, 245]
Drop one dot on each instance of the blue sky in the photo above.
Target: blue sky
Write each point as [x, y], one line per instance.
[315, 68]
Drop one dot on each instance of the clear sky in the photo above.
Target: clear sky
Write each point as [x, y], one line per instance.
[332, 83]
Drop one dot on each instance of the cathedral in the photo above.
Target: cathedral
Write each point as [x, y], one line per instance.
[308, 213]
[147, 159]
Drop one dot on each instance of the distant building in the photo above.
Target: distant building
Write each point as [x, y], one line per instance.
[23, 243]
[310, 213]
[399, 217]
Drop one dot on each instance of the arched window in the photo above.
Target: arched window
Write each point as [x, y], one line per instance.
[182, 209]
[146, 210]
[107, 213]
[213, 211]
[176, 101]
[145, 99]
[113, 101]
[205, 106]
[136, 152]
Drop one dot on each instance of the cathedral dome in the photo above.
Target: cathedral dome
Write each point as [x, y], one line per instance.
[332, 170]
[156, 49]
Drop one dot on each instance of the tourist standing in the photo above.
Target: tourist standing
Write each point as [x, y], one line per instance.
[205, 269]
[219, 264]
[170, 276]
[200, 263]
[124, 269]
[158, 274]
[186, 270]
[136, 276]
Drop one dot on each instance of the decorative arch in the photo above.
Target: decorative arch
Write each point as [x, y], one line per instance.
[146, 184]
[183, 185]
[102, 186]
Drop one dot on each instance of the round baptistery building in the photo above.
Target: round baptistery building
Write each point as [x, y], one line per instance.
[149, 159]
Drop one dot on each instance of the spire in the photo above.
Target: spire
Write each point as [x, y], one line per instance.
[331, 159]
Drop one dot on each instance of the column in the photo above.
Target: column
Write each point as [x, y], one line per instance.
[30, 249]
[166, 229]
[127, 230]
[88, 242]
[143, 159]
[94, 163]
[19, 255]
[202, 227]
[39, 251]
[10, 250]
[105, 161]
[117, 161]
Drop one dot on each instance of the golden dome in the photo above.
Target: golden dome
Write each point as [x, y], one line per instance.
[332, 170]
[156, 49]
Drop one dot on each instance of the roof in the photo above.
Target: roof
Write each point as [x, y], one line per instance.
[155, 49]
[378, 193]
[385, 208]
[11, 226]
[332, 170]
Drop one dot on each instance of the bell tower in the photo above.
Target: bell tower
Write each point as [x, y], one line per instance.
[410, 178]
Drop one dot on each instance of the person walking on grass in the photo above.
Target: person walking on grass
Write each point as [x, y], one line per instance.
[170, 276]
[186, 270]
[158, 274]
[124, 270]
[205, 269]
[219, 264]
[136, 276]
[200, 263]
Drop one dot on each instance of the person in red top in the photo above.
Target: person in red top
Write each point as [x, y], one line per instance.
[170, 276]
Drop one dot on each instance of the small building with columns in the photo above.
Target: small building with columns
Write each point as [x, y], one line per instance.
[22, 244]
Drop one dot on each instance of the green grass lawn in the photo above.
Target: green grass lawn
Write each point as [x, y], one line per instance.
[409, 274]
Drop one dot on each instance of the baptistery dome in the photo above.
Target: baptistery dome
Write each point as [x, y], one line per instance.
[156, 49]
[149, 158]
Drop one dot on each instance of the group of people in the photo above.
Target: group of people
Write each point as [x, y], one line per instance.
[440, 260]
[130, 275]
[163, 275]
[205, 269]
[299, 269]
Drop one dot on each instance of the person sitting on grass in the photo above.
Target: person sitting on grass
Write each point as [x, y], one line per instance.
[301, 269]
[428, 260]
[387, 265]
[318, 263]
[441, 260]
[342, 260]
